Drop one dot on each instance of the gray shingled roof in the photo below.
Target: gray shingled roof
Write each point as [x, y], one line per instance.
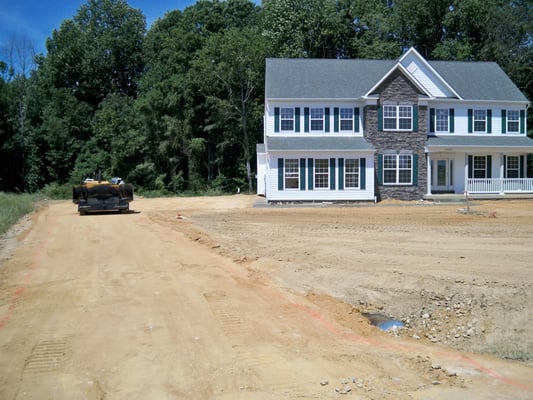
[296, 78]
[352, 79]
[478, 80]
[318, 143]
[500, 141]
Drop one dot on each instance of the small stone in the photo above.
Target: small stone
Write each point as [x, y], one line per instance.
[425, 316]
[435, 382]
[324, 383]
[435, 366]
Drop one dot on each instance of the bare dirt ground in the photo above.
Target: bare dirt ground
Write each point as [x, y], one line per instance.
[211, 298]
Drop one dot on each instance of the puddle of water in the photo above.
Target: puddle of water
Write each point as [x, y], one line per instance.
[383, 322]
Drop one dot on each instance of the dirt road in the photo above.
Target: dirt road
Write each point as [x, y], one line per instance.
[234, 302]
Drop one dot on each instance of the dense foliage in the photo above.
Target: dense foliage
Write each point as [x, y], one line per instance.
[179, 107]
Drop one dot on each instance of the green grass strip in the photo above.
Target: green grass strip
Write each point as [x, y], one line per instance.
[13, 207]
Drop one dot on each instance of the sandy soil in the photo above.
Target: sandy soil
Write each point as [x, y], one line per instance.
[211, 298]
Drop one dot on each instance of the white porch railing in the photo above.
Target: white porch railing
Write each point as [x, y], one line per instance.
[500, 185]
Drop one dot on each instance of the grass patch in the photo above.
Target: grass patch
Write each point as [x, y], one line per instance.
[510, 350]
[13, 207]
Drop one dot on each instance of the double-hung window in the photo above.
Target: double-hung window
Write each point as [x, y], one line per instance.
[291, 173]
[513, 167]
[317, 119]
[441, 120]
[287, 119]
[397, 169]
[321, 173]
[346, 119]
[479, 169]
[351, 173]
[398, 118]
[513, 121]
[480, 121]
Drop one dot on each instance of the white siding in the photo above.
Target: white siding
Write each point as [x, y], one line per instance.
[461, 116]
[273, 194]
[270, 118]
[261, 173]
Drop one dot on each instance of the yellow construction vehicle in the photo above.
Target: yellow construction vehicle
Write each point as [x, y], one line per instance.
[98, 195]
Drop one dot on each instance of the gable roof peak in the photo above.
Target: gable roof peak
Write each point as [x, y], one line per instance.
[411, 50]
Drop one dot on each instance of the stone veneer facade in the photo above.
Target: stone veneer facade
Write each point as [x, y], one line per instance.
[398, 90]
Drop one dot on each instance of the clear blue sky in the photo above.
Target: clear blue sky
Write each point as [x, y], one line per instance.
[36, 19]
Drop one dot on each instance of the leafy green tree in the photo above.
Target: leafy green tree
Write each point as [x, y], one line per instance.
[114, 148]
[302, 28]
[183, 149]
[421, 23]
[368, 29]
[18, 86]
[94, 55]
[230, 72]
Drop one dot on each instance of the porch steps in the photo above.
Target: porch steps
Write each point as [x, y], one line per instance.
[461, 199]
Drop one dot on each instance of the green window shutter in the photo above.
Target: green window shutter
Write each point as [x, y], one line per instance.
[302, 173]
[341, 173]
[505, 166]
[489, 167]
[415, 169]
[522, 121]
[489, 121]
[332, 174]
[380, 118]
[521, 167]
[356, 119]
[306, 119]
[380, 169]
[415, 118]
[280, 173]
[310, 174]
[326, 119]
[470, 166]
[362, 173]
[276, 119]
[452, 120]
[470, 119]
[336, 119]
[504, 121]
[297, 119]
[432, 120]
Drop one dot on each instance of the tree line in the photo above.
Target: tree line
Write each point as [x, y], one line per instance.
[179, 106]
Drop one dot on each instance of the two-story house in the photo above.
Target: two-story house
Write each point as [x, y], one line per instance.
[350, 130]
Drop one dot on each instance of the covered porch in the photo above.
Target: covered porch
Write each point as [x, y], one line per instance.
[481, 165]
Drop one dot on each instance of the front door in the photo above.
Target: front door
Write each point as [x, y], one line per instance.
[443, 175]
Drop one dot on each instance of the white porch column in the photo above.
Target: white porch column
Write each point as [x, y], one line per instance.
[429, 174]
[466, 172]
[501, 173]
